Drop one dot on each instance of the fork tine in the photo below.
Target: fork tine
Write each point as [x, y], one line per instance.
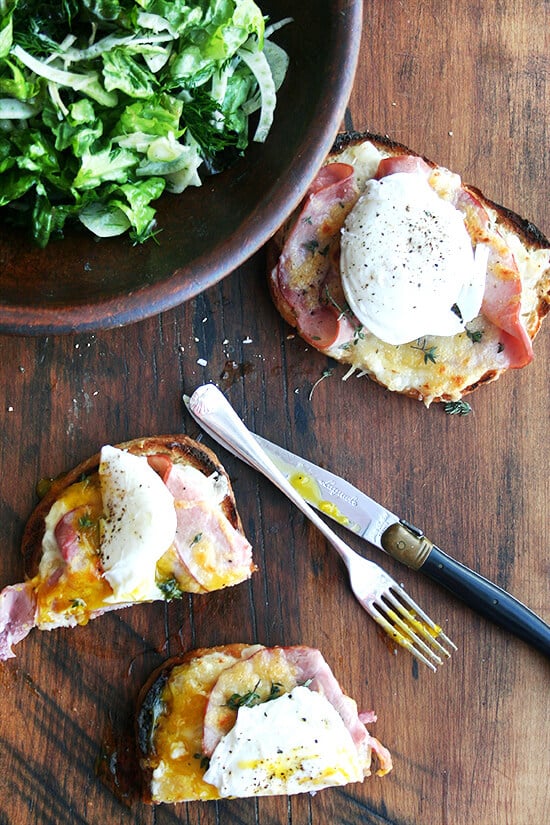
[405, 641]
[409, 626]
[421, 621]
[406, 634]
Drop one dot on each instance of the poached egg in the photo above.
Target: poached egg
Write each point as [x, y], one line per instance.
[292, 744]
[138, 527]
[407, 263]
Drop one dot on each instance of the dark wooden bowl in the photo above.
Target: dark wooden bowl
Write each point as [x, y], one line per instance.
[81, 283]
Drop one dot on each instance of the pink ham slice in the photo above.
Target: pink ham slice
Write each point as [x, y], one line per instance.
[311, 253]
[17, 616]
[402, 163]
[187, 486]
[66, 535]
[215, 554]
[502, 298]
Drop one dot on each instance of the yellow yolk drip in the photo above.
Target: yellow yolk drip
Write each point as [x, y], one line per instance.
[76, 588]
[309, 489]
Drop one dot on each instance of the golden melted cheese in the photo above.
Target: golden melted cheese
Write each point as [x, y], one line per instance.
[176, 759]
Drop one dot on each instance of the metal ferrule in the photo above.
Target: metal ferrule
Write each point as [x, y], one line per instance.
[407, 544]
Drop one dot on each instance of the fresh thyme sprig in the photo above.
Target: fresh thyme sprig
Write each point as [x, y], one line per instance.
[429, 352]
[325, 374]
[457, 407]
[252, 697]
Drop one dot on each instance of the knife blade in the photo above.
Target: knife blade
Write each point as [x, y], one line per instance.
[358, 512]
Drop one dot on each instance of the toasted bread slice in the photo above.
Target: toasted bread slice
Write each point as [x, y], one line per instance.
[247, 720]
[306, 285]
[150, 519]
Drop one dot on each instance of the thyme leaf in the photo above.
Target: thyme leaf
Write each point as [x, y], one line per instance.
[475, 335]
[331, 300]
[85, 521]
[170, 589]
[204, 760]
[429, 352]
[239, 700]
[457, 407]
[252, 697]
[325, 374]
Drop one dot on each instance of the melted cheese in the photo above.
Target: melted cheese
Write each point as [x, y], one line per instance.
[138, 527]
[407, 260]
[177, 768]
[293, 744]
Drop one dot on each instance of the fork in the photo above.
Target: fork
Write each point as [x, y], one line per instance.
[380, 595]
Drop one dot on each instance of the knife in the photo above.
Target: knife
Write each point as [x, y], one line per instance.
[359, 513]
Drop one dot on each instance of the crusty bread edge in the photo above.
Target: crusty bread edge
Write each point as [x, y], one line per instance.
[180, 448]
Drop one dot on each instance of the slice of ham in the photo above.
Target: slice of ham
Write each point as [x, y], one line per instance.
[402, 163]
[66, 534]
[306, 277]
[215, 554]
[17, 616]
[502, 298]
[188, 484]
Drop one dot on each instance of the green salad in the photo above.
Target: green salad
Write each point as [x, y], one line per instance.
[106, 104]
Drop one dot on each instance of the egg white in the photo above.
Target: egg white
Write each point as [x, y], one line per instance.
[293, 744]
[138, 527]
[407, 263]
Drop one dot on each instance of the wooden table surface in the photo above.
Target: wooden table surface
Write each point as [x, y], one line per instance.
[467, 84]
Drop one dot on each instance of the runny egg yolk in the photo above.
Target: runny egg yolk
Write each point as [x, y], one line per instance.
[407, 263]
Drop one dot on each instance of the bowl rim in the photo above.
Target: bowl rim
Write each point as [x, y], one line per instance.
[152, 299]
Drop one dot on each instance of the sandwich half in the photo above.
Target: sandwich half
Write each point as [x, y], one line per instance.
[395, 267]
[147, 520]
[247, 720]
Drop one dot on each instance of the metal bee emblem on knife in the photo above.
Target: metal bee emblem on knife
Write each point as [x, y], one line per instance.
[341, 501]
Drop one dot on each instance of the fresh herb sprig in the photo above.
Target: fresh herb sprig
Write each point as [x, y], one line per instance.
[429, 353]
[460, 407]
[252, 697]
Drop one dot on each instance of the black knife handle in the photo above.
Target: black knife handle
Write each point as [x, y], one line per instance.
[488, 599]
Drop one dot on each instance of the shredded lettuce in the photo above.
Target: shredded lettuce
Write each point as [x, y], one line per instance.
[106, 104]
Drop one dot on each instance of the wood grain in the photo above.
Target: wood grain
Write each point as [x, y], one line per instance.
[467, 84]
